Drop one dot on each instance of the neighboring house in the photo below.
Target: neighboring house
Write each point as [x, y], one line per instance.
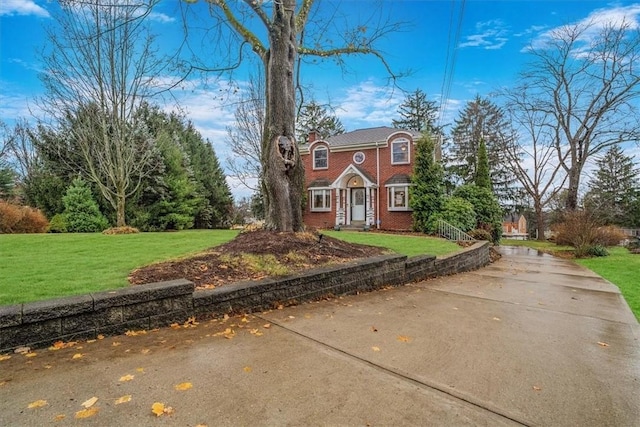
[514, 226]
[359, 178]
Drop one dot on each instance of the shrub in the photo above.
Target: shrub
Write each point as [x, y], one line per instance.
[58, 224]
[480, 234]
[121, 230]
[21, 219]
[457, 212]
[581, 230]
[488, 211]
[597, 250]
[610, 235]
[81, 210]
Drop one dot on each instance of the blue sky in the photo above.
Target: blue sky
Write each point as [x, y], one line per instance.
[490, 50]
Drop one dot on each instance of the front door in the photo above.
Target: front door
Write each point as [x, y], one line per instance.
[357, 204]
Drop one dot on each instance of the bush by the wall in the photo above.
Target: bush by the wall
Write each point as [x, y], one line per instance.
[21, 219]
[480, 234]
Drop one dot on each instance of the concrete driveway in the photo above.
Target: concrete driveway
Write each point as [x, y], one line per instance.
[528, 340]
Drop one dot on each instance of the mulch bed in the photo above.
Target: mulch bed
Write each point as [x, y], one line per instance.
[213, 267]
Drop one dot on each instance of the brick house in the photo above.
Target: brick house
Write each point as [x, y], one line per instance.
[514, 226]
[359, 178]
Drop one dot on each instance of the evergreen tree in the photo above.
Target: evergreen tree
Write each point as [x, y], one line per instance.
[81, 210]
[615, 188]
[314, 116]
[427, 190]
[483, 176]
[488, 211]
[480, 120]
[418, 113]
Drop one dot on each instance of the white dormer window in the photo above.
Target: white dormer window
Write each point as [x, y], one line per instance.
[321, 158]
[400, 151]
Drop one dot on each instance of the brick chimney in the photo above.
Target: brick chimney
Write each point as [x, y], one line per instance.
[313, 136]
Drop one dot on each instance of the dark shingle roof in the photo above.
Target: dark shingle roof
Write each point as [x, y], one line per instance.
[399, 178]
[363, 136]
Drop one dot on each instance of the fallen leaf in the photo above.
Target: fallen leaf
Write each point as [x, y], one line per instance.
[255, 332]
[375, 348]
[496, 318]
[603, 344]
[123, 399]
[374, 329]
[201, 425]
[77, 356]
[86, 413]
[37, 404]
[2, 383]
[4, 357]
[57, 345]
[292, 317]
[225, 317]
[244, 320]
[175, 326]
[90, 402]
[48, 366]
[307, 316]
[91, 341]
[100, 337]
[247, 369]
[227, 333]
[115, 343]
[536, 388]
[127, 377]
[157, 408]
[140, 370]
[183, 386]
[31, 354]
[59, 417]
[280, 307]
[404, 338]
[266, 325]
[145, 351]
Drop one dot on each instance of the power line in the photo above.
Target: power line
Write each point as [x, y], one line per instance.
[450, 61]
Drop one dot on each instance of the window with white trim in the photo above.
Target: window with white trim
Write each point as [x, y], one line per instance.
[398, 197]
[320, 158]
[320, 199]
[400, 151]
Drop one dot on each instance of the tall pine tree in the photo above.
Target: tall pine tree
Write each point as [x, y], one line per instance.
[615, 189]
[427, 190]
[418, 113]
[313, 116]
[480, 120]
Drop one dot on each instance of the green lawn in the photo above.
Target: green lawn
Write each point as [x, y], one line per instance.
[409, 245]
[621, 268]
[42, 266]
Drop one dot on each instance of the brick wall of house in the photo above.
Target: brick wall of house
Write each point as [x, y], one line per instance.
[338, 162]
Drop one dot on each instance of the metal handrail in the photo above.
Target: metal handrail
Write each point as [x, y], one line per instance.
[451, 232]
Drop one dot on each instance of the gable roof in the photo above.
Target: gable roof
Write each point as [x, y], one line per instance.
[377, 136]
[363, 136]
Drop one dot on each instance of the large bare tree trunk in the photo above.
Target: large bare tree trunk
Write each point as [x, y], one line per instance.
[283, 169]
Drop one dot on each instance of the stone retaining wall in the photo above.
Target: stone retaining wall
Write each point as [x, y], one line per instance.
[41, 323]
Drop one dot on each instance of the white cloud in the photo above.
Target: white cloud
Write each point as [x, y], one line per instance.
[161, 17]
[597, 20]
[368, 105]
[491, 35]
[22, 7]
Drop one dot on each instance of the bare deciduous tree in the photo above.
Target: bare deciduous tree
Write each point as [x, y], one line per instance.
[100, 68]
[586, 78]
[277, 32]
[245, 137]
[532, 157]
